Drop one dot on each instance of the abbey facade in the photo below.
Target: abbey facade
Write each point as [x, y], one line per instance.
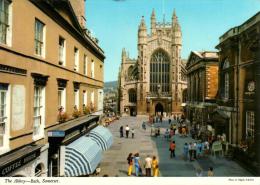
[153, 83]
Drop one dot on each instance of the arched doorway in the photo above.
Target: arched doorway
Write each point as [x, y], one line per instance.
[158, 109]
[39, 170]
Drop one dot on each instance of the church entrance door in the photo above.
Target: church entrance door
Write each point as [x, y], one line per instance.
[158, 109]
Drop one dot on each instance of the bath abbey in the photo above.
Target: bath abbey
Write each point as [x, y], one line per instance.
[155, 82]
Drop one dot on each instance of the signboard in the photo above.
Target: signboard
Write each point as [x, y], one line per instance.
[17, 163]
[56, 133]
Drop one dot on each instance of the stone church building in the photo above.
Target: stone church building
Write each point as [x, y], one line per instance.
[153, 83]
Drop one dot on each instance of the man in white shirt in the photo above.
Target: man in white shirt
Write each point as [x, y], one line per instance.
[127, 131]
[148, 166]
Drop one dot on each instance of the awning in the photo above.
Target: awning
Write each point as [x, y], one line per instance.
[102, 136]
[81, 157]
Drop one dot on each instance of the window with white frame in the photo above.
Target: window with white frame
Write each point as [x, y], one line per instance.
[92, 97]
[92, 69]
[39, 38]
[62, 98]
[76, 59]
[3, 114]
[5, 19]
[250, 124]
[85, 98]
[39, 111]
[85, 64]
[76, 98]
[62, 51]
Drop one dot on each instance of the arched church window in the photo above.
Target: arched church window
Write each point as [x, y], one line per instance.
[159, 71]
[132, 96]
[226, 64]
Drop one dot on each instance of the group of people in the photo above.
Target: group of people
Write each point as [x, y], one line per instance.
[151, 165]
[127, 130]
[195, 150]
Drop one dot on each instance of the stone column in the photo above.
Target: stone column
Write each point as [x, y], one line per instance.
[257, 106]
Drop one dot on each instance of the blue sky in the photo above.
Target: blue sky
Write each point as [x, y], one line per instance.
[115, 23]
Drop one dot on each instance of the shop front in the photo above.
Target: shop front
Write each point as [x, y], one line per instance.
[28, 161]
[76, 147]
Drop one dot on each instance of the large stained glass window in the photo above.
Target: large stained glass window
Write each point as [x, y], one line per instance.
[160, 72]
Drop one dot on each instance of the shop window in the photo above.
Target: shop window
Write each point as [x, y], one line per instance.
[250, 124]
[3, 114]
[5, 22]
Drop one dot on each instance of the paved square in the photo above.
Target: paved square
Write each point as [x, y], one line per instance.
[114, 161]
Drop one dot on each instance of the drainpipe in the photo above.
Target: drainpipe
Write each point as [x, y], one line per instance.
[237, 90]
[257, 104]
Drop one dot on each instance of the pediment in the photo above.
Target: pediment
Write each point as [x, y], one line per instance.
[65, 10]
[193, 58]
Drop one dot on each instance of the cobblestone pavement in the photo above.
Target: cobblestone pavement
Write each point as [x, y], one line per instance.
[114, 160]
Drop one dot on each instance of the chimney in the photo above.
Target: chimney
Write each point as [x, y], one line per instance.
[79, 10]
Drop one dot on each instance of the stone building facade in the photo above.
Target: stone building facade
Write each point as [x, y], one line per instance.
[239, 88]
[48, 61]
[202, 78]
[153, 83]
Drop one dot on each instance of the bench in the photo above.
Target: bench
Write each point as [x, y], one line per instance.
[217, 147]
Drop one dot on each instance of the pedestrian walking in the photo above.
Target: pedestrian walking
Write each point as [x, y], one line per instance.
[130, 164]
[121, 131]
[148, 166]
[127, 131]
[206, 147]
[186, 151]
[133, 133]
[194, 150]
[174, 128]
[199, 149]
[172, 149]
[210, 172]
[183, 131]
[144, 126]
[137, 164]
[169, 121]
[155, 166]
[190, 151]
[171, 133]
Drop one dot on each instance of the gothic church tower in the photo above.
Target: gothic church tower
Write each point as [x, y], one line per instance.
[160, 69]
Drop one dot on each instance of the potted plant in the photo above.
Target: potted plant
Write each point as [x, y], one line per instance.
[76, 113]
[86, 110]
[62, 115]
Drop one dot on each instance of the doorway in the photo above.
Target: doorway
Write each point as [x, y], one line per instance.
[159, 109]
